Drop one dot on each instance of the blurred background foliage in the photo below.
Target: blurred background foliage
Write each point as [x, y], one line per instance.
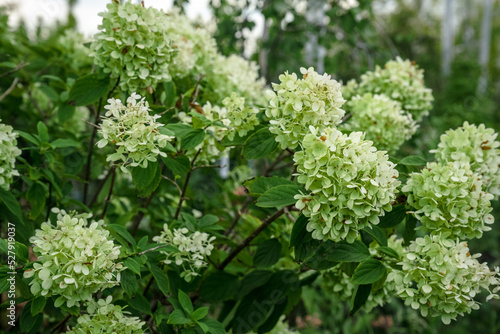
[344, 43]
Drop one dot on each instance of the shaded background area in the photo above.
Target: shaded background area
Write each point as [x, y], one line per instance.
[456, 42]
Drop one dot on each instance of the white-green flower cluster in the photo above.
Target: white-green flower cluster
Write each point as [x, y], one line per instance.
[381, 119]
[72, 47]
[75, 259]
[242, 119]
[440, 277]
[449, 198]
[234, 118]
[192, 249]
[349, 89]
[337, 283]
[233, 74]
[104, 317]
[401, 80]
[349, 183]
[296, 104]
[134, 131]
[477, 146]
[195, 48]
[133, 44]
[8, 154]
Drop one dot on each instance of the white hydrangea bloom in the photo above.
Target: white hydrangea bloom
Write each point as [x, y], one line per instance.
[8, 154]
[233, 74]
[75, 259]
[401, 80]
[381, 119]
[349, 183]
[192, 248]
[450, 198]
[242, 119]
[133, 44]
[104, 317]
[296, 104]
[195, 48]
[440, 277]
[134, 131]
[474, 145]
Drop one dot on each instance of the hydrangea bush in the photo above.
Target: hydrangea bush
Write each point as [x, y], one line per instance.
[229, 202]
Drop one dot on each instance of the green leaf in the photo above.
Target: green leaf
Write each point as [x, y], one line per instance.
[26, 321]
[388, 251]
[140, 303]
[368, 272]
[37, 305]
[28, 137]
[89, 88]
[299, 231]
[170, 93]
[393, 217]
[279, 196]
[62, 143]
[254, 280]
[179, 165]
[345, 252]
[65, 112]
[306, 249]
[412, 160]
[129, 282]
[161, 279]
[189, 137]
[200, 313]
[146, 180]
[116, 229]
[219, 286]
[185, 302]
[259, 185]
[22, 253]
[409, 231]
[43, 132]
[177, 317]
[36, 197]
[214, 326]
[49, 92]
[377, 234]
[360, 297]
[273, 318]
[260, 144]
[133, 265]
[11, 203]
[267, 254]
[320, 260]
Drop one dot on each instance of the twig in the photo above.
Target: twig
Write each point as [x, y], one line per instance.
[184, 188]
[101, 185]
[113, 176]
[346, 117]
[89, 154]
[151, 249]
[265, 223]
[17, 68]
[289, 215]
[238, 215]
[166, 111]
[60, 324]
[196, 89]
[275, 163]
[207, 166]
[7, 92]
[173, 182]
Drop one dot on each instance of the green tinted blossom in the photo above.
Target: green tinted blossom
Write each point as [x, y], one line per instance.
[349, 183]
[134, 131]
[474, 145]
[104, 317]
[75, 259]
[192, 249]
[449, 198]
[233, 74]
[349, 89]
[8, 154]
[195, 48]
[381, 119]
[242, 119]
[134, 45]
[441, 277]
[402, 81]
[314, 100]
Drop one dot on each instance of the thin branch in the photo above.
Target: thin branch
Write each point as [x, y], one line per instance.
[101, 185]
[151, 249]
[89, 154]
[207, 166]
[238, 215]
[271, 167]
[346, 117]
[196, 89]
[7, 92]
[60, 324]
[173, 182]
[113, 176]
[17, 68]
[184, 188]
[265, 223]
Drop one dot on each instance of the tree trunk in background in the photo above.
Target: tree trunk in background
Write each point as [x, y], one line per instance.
[447, 37]
[484, 46]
